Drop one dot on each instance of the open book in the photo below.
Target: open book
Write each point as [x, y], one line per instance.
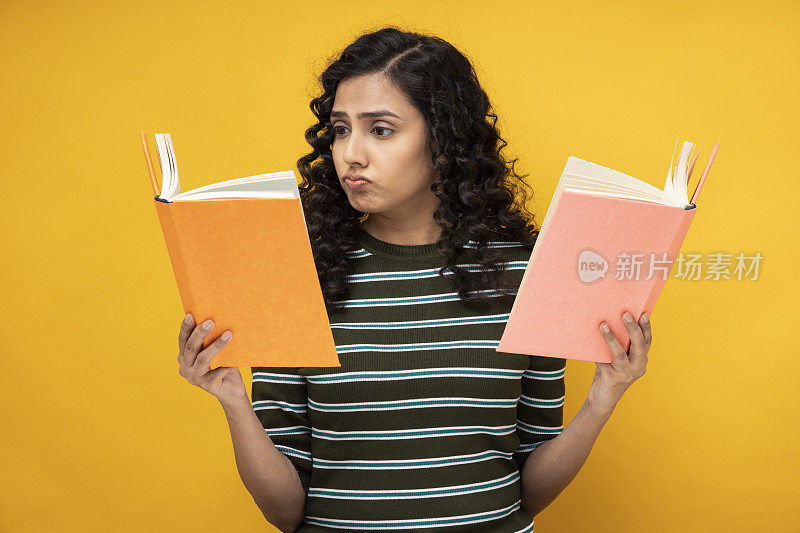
[591, 178]
[600, 219]
[273, 185]
[241, 256]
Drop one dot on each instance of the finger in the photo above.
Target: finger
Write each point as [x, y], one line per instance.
[195, 342]
[638, 344]
[619, 355]
[644, 323]
[202, 364]
[186, 329]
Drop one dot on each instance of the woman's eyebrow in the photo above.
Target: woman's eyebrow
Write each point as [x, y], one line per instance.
[367, 114]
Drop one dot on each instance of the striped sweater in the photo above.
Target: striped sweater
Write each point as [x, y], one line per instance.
[425, 426]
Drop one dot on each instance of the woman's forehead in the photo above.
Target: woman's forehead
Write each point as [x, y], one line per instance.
[370, 96]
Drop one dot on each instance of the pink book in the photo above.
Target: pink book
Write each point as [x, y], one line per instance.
[607, 245]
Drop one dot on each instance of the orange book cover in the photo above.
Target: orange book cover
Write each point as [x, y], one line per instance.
[247, 264]
[596, 256]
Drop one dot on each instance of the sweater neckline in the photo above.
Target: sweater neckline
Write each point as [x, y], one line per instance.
[404, 251]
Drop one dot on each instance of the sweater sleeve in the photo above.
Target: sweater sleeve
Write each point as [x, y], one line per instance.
[280, 401]
[540, 411]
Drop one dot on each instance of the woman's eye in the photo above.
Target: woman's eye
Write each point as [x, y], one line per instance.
[337, 131]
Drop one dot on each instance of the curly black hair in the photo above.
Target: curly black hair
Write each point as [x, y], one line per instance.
[478, 189]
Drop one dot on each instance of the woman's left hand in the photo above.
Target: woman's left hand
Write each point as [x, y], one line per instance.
[611, 380]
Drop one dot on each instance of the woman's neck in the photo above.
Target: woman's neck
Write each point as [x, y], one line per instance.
[406, 233]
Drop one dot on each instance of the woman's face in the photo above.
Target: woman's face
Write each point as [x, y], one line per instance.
[387, 146]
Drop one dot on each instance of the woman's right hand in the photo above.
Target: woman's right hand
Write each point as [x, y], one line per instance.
[224, 382]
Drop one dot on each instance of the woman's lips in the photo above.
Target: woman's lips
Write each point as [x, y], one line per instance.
[356, 184]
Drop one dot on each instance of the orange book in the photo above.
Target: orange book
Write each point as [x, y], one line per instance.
[242, 257]
[607, 245]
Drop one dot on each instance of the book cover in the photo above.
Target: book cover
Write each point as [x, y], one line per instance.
[599, 257]
[247, 264]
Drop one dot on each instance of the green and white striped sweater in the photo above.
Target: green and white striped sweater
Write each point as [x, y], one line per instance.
[424, 427]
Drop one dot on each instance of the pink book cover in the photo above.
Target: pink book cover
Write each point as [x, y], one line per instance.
[593, 263]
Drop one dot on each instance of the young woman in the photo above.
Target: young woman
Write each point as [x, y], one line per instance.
[420, 236]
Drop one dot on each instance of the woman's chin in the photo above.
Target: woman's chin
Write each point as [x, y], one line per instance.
[358, 204]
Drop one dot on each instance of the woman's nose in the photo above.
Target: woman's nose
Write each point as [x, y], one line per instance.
[354, 151]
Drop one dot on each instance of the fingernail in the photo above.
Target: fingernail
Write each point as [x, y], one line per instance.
[627, 316]
[605, 327]
[188, 318]
[208, 324]
[226, 335]
[645, 318]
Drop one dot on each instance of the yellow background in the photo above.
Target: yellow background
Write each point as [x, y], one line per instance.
[99, 430]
